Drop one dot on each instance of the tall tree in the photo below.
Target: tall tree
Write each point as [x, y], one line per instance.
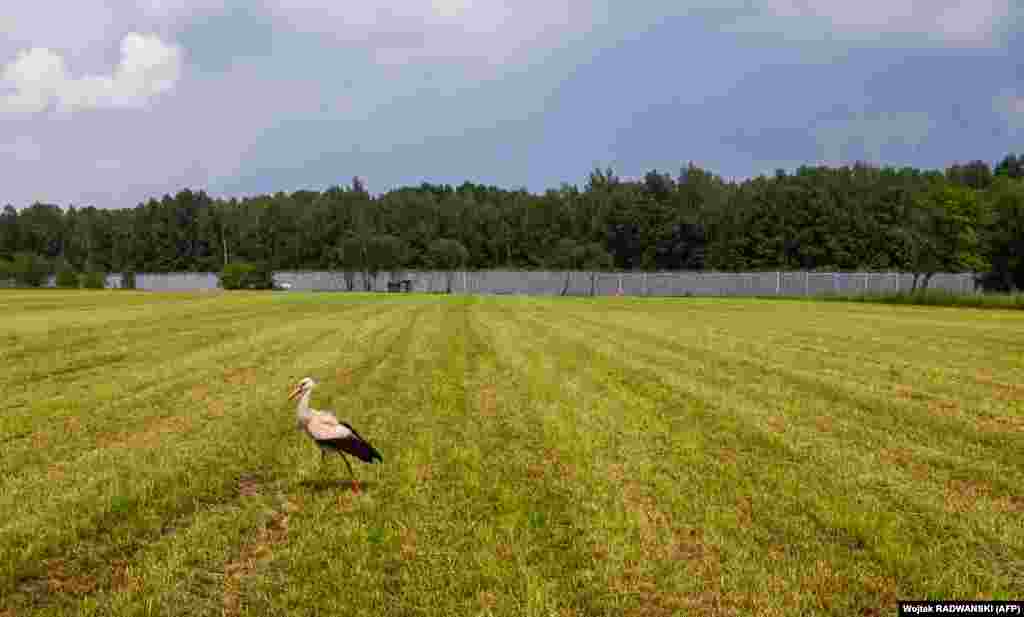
[448, 255]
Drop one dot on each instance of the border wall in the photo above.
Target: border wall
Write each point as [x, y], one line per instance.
[549, 283]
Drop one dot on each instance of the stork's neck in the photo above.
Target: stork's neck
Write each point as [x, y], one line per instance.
[303, 408]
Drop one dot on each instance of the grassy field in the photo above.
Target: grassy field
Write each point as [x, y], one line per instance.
[541, 456]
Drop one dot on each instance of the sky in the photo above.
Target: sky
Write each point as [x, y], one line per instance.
[109, 103]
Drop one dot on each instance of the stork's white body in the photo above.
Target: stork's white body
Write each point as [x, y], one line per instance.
[329, 433]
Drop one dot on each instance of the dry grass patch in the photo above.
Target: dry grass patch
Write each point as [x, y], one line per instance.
[155, 431]
[905, 392]
[122, 578]
[58, 580]
[663, 541]
[343, 376]
[248, 486]
[274, 533]
[964, 495]
[488, 403]
[408, 543]
[487, 599]
[1002, 391]
[945, 407]
[199, 392]
[240, 376]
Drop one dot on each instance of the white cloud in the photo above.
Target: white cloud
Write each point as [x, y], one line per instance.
[39, 77]
[490, 32]
[949, 21]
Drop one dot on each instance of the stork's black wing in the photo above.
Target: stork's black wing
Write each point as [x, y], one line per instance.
[355, 445]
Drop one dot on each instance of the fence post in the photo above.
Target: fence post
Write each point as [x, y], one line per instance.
[645, 283]
[807, 283]
[897, 282]
[778, 283]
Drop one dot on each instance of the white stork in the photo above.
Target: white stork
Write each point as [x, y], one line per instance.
[329, 433]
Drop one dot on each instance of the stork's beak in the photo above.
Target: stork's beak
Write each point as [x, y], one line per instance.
[295, 392]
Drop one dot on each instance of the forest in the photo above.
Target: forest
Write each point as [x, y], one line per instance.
[969, 217]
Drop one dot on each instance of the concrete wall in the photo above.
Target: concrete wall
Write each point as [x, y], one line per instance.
[539, 283]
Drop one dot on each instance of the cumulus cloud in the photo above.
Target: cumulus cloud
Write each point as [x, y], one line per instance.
[38, 77]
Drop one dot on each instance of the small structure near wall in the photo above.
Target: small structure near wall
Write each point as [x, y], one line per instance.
[404, 285]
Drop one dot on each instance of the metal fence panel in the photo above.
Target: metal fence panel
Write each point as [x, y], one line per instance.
[546, 283]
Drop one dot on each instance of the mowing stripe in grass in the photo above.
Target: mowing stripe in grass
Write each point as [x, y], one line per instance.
[173, 485]
[64, 428]
[1000, 570]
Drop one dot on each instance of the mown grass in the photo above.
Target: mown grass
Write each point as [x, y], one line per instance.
[571, 456]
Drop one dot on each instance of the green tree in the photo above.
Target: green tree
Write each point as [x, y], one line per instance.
[94, 279]
[10, 232]
[243, 275]
[67, 277]
[448, 255]
[30, 270]
[349, 257]
[943, 233]
[1011, 167]
[1003, 236]
[387, 253]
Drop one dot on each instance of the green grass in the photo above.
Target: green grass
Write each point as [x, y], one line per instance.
[572, 456]
[940, 297]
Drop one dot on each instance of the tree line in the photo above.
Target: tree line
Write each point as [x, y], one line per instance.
[969, 217]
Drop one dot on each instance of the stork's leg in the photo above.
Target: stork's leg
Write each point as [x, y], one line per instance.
[355, 483]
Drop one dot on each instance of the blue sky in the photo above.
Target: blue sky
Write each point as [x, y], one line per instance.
[109, 103]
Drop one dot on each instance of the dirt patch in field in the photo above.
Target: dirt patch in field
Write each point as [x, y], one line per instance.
[343, 376]
[216, 408]
[199, 392]
[777, 424]
[964, 495]
[248, 486]
[825, 583]
[424, 473]
[662, 540]
[908, 460]
[408, 539]
[905, 392]
[56, 472]
[267, 538]
[504, 551]
[240, 376]
[58, 580]
[487, 599]
[944, 407]
[488, 403]
[121, 577]
[150, 435]
[1002, 423]
[1002, 391]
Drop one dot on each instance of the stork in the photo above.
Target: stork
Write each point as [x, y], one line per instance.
[329, 433]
